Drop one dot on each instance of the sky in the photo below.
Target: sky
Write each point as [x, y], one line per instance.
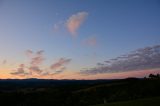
[79, 39]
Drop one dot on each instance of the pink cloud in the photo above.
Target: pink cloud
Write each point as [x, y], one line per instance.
[75, 21]
[34, 67]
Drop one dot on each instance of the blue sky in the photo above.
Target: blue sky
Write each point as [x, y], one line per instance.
[85, 31]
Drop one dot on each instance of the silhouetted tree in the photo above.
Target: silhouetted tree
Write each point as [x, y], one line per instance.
[158, 75]
[154, 76]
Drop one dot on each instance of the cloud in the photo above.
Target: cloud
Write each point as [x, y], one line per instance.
[52, 74]
[20, 71]
[75, 21]
[35, 58]
[60, 63]
[91, 41]
[140, 59]
[40, 52]
[58, 72]
[34, 69]
[29, 53]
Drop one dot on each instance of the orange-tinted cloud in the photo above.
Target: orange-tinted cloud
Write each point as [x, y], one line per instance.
[34, 69]
[75, 21]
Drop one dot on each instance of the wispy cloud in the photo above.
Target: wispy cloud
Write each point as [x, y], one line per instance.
[60, 64]
[20, 71]
[29, 53]
[34, 69]
[37, 58]
[51, 74]
[140, 59]
[57, 67]
[75, 21]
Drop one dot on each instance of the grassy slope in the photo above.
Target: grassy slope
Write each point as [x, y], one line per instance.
[155, 101]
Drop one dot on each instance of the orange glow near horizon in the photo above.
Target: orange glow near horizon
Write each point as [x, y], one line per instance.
[71, 75]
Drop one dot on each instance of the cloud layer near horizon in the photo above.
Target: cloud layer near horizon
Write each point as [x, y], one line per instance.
[140, 59]
[34, 68]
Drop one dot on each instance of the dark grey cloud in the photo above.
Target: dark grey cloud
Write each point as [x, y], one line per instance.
[140, 59]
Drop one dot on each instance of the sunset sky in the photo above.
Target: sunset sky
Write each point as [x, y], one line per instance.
[79, 39]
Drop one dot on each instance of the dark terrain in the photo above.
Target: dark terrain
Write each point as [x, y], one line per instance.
[34, 92]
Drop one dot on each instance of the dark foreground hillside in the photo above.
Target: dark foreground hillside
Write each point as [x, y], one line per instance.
[154, 101]
[34, 92]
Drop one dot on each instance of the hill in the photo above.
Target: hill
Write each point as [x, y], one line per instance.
[155, 101]
[32, 92]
